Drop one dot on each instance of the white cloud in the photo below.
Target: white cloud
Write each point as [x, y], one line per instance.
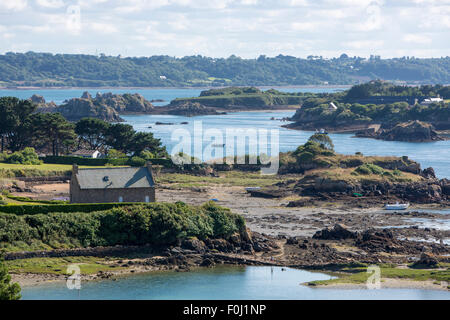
[14, 5]
[51, 3]
[417, 38]
[100, 27]
[223, 27]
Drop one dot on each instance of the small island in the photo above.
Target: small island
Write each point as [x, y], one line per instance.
[378, 104]
[412, 131]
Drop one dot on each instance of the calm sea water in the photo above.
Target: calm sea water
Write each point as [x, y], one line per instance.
[220, 283]
[434, 154]
[59, 95]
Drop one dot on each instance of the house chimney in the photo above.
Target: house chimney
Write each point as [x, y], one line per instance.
[74, 169]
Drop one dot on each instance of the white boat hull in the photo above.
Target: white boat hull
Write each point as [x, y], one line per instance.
[398, 206]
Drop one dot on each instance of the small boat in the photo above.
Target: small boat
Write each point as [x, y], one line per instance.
[397, 206]
[250, 189]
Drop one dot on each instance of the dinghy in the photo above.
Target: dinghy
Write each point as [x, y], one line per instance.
[397, 206]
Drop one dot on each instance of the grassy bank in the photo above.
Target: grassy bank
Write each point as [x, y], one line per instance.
[359, 275]
[230, 178]
[58, 266]
[9, 170]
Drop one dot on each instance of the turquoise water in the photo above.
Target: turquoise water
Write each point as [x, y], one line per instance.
[220, 283]
[434, 154]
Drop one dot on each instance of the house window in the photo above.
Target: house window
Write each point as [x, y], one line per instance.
[120, 199]
[147, 199]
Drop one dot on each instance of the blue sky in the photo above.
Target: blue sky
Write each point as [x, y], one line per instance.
[219, 28]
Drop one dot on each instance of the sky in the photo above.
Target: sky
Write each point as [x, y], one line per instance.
[220, 28]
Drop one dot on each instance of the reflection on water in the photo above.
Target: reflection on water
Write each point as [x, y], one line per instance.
[221, 283]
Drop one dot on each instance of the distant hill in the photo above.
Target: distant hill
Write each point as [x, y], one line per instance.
[48, 70]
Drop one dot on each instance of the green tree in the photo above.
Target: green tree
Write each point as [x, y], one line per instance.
[8, 290]
[323, 140]
[52, 130]
[14, 117]
[144, 141]
[120, 136]
[92, 131]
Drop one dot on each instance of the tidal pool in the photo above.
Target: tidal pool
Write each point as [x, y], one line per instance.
[221, 282]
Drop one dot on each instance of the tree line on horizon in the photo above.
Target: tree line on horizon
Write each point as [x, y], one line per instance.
[47, 70]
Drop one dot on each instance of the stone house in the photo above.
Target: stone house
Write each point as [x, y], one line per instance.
[104, 185]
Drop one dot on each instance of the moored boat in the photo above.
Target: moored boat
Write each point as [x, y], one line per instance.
[397, 206]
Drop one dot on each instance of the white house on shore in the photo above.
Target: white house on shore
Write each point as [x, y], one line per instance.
[428, 101]
[92, 154]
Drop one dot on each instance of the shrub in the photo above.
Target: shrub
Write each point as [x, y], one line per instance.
[27, 157]
[369, 168]
[156, 223]
[8, 290]
[136, 162]
[115, 154]
[62, 208]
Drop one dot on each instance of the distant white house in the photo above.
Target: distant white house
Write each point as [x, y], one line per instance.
[93, 154]
[163, 77]
[332, 106]
[429, 101]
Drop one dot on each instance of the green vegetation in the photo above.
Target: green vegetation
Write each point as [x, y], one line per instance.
[156, 223]
[8, 290]
[58, 266]
[229, 178]
[9, 170]
[27, 156]
[26, 199]
[21, 128]
[43, 208]
[382, 88]
[316, 112]
[318, 158]
[359, 275]
[32, 69]
[247, 96]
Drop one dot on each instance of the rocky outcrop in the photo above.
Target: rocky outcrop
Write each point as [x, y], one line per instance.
[338, 232]
[124, 103]
[192, 109]
[427, 260]
[413, 131]
[445, 186]
[106, 106]
[41, 103]
[78, 108]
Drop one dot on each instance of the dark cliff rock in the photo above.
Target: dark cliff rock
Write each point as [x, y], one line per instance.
[413, 131]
